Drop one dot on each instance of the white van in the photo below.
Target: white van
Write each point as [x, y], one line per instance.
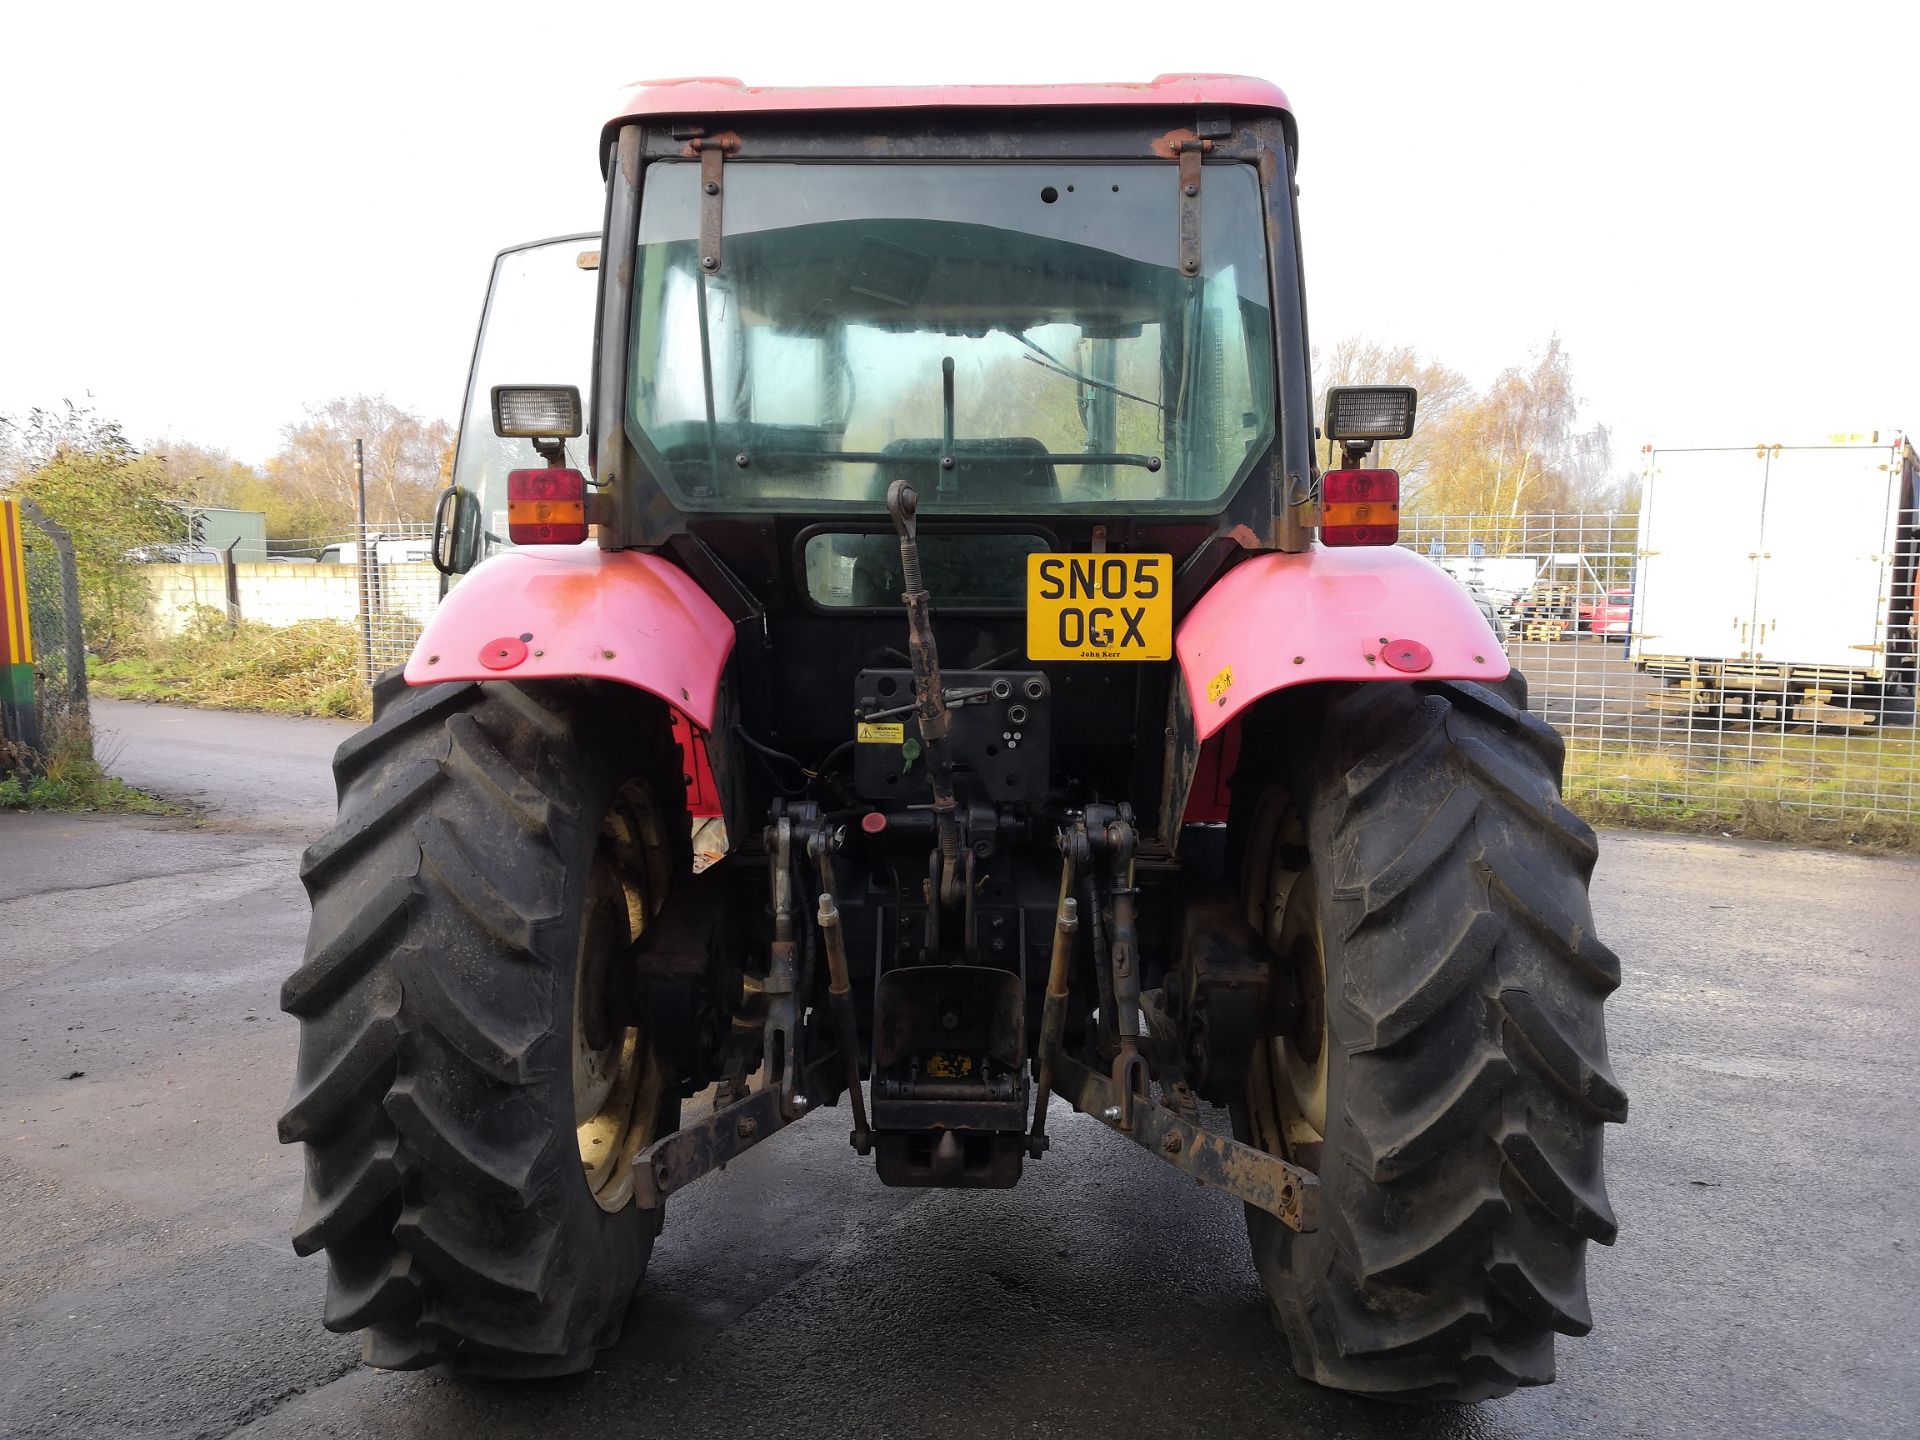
[405, 551]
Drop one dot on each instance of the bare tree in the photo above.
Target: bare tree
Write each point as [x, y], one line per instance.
[1519, 448]
[406, 459]
[1444, 391]
[208, 475]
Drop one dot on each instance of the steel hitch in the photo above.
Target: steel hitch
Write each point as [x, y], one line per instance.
[781, 1039]
[675, 1161]
[1053, 1018]
[949, 1076]
[1129, 1066]
[1282, 1190]
[822, 843]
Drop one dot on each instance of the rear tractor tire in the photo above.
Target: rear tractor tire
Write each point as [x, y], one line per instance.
[475, 1066]
[1447, 1073]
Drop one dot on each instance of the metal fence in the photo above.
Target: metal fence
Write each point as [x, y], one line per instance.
[1760, 749]
[53, 607]
[399, 589]
[1783, 751]
[397, 585]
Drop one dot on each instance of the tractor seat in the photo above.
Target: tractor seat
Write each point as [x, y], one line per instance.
[1012, 471]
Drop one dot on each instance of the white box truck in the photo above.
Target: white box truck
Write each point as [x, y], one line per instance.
[1777, 581]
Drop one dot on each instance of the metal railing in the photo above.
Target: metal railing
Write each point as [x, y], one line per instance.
[1761, 740]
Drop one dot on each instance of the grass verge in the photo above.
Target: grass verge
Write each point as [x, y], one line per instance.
[69, 778]
[306, 669]
[1846, 791]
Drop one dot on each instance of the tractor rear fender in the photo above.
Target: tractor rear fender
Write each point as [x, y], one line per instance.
[1279, 620]
[577, 612]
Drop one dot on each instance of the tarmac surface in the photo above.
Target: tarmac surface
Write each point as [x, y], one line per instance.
[1766, 1281]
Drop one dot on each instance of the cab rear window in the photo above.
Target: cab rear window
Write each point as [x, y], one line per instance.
[861, 571]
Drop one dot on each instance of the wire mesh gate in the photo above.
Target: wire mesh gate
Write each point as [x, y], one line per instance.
[1656, 737]
[399, 589]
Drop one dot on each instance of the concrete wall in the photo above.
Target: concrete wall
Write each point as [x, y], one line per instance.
[278, 593]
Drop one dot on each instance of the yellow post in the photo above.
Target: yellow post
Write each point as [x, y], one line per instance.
[16, 634]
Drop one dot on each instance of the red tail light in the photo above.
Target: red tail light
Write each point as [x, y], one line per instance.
[1360, 507]
[546, 507]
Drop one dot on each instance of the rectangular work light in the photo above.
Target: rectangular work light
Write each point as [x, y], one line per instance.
[536, 412]
[1369, 412]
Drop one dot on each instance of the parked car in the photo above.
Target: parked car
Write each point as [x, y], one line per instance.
[1492, 607]
[407, 550]
[1610, 617]
[171, 554]
[1496, 618]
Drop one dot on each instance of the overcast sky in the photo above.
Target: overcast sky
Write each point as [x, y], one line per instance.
[216, 215]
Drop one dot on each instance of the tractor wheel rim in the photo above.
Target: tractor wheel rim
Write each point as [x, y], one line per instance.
[1287, 1084]
[1301, 1055]
[617, 1077]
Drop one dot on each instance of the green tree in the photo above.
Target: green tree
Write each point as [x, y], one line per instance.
[115, 501]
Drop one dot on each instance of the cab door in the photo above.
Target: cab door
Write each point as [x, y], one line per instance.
[537, 329]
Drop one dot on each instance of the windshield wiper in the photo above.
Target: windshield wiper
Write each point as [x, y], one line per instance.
[1049, 362]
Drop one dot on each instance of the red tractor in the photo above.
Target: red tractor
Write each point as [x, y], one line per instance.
[950, 548]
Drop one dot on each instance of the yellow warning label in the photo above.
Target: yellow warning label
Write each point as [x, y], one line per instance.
[1219, 685]
[869, 733]
[944, 1066]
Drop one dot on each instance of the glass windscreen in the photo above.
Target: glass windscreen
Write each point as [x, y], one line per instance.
[1006, 337]
[537, 330]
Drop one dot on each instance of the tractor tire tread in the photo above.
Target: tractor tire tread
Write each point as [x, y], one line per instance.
[455, 1223]
[1462, 1170]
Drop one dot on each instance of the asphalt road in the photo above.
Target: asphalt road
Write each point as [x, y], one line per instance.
[1765, 1284]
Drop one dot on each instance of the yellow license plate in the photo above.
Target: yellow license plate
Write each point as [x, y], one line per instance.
[1099, 607]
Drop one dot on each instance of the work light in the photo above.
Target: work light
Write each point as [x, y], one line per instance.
[536, 412]
[1369, 412]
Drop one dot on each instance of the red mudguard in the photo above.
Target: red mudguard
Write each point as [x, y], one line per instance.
[552, 612]
[1277, 620]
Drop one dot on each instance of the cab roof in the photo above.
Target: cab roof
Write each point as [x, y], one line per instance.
[707, 95]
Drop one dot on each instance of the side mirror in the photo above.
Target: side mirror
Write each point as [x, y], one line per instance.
[456, 531]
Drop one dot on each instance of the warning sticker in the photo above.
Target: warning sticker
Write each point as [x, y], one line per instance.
[869, 733]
